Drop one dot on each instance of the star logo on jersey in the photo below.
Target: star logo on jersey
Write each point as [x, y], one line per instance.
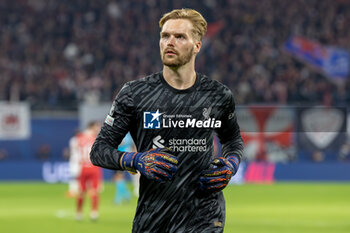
[151, 120]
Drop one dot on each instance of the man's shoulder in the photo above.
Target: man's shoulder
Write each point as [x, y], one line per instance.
[216, 89]
[135, 90]
[206, 83]
[147, 81]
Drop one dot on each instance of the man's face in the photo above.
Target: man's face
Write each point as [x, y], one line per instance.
[177, 45]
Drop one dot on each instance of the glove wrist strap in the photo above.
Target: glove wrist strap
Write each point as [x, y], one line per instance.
[128, 161]
[234, 161]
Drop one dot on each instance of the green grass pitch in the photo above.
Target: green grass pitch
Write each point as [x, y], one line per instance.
[282, 207]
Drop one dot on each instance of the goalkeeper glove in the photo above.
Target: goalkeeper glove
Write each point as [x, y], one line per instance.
[219, 174]
[155, 164]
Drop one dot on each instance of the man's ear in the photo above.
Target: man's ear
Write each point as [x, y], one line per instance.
[197, 46]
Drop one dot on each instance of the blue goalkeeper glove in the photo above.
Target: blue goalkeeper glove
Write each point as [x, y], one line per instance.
[155, 164]
[219, 174]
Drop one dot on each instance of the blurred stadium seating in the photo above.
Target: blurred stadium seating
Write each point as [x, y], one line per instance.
[58, 55]
[55, 54]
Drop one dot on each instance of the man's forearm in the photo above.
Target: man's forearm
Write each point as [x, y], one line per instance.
[104, 155]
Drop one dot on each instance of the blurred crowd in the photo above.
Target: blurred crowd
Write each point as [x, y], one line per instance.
[56, 54]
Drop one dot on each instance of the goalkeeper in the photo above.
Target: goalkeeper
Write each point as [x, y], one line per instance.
[171, 116]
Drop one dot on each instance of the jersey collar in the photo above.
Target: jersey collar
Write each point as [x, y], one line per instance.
[190, 89]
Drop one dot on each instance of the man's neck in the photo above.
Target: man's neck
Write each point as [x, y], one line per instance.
[180, 78]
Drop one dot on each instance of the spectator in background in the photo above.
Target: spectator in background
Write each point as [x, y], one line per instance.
[318, 156]
[3, 154]
[89, 176]
[74, 167]
[56, 54]
[44, 152]
[122, 192]
[344, 153]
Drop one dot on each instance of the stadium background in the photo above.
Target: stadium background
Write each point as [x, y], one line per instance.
[287, 62]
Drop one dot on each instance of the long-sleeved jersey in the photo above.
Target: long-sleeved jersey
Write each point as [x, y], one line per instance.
[158, 115]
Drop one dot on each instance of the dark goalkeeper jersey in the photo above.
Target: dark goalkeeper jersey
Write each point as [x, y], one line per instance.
[157, 116]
